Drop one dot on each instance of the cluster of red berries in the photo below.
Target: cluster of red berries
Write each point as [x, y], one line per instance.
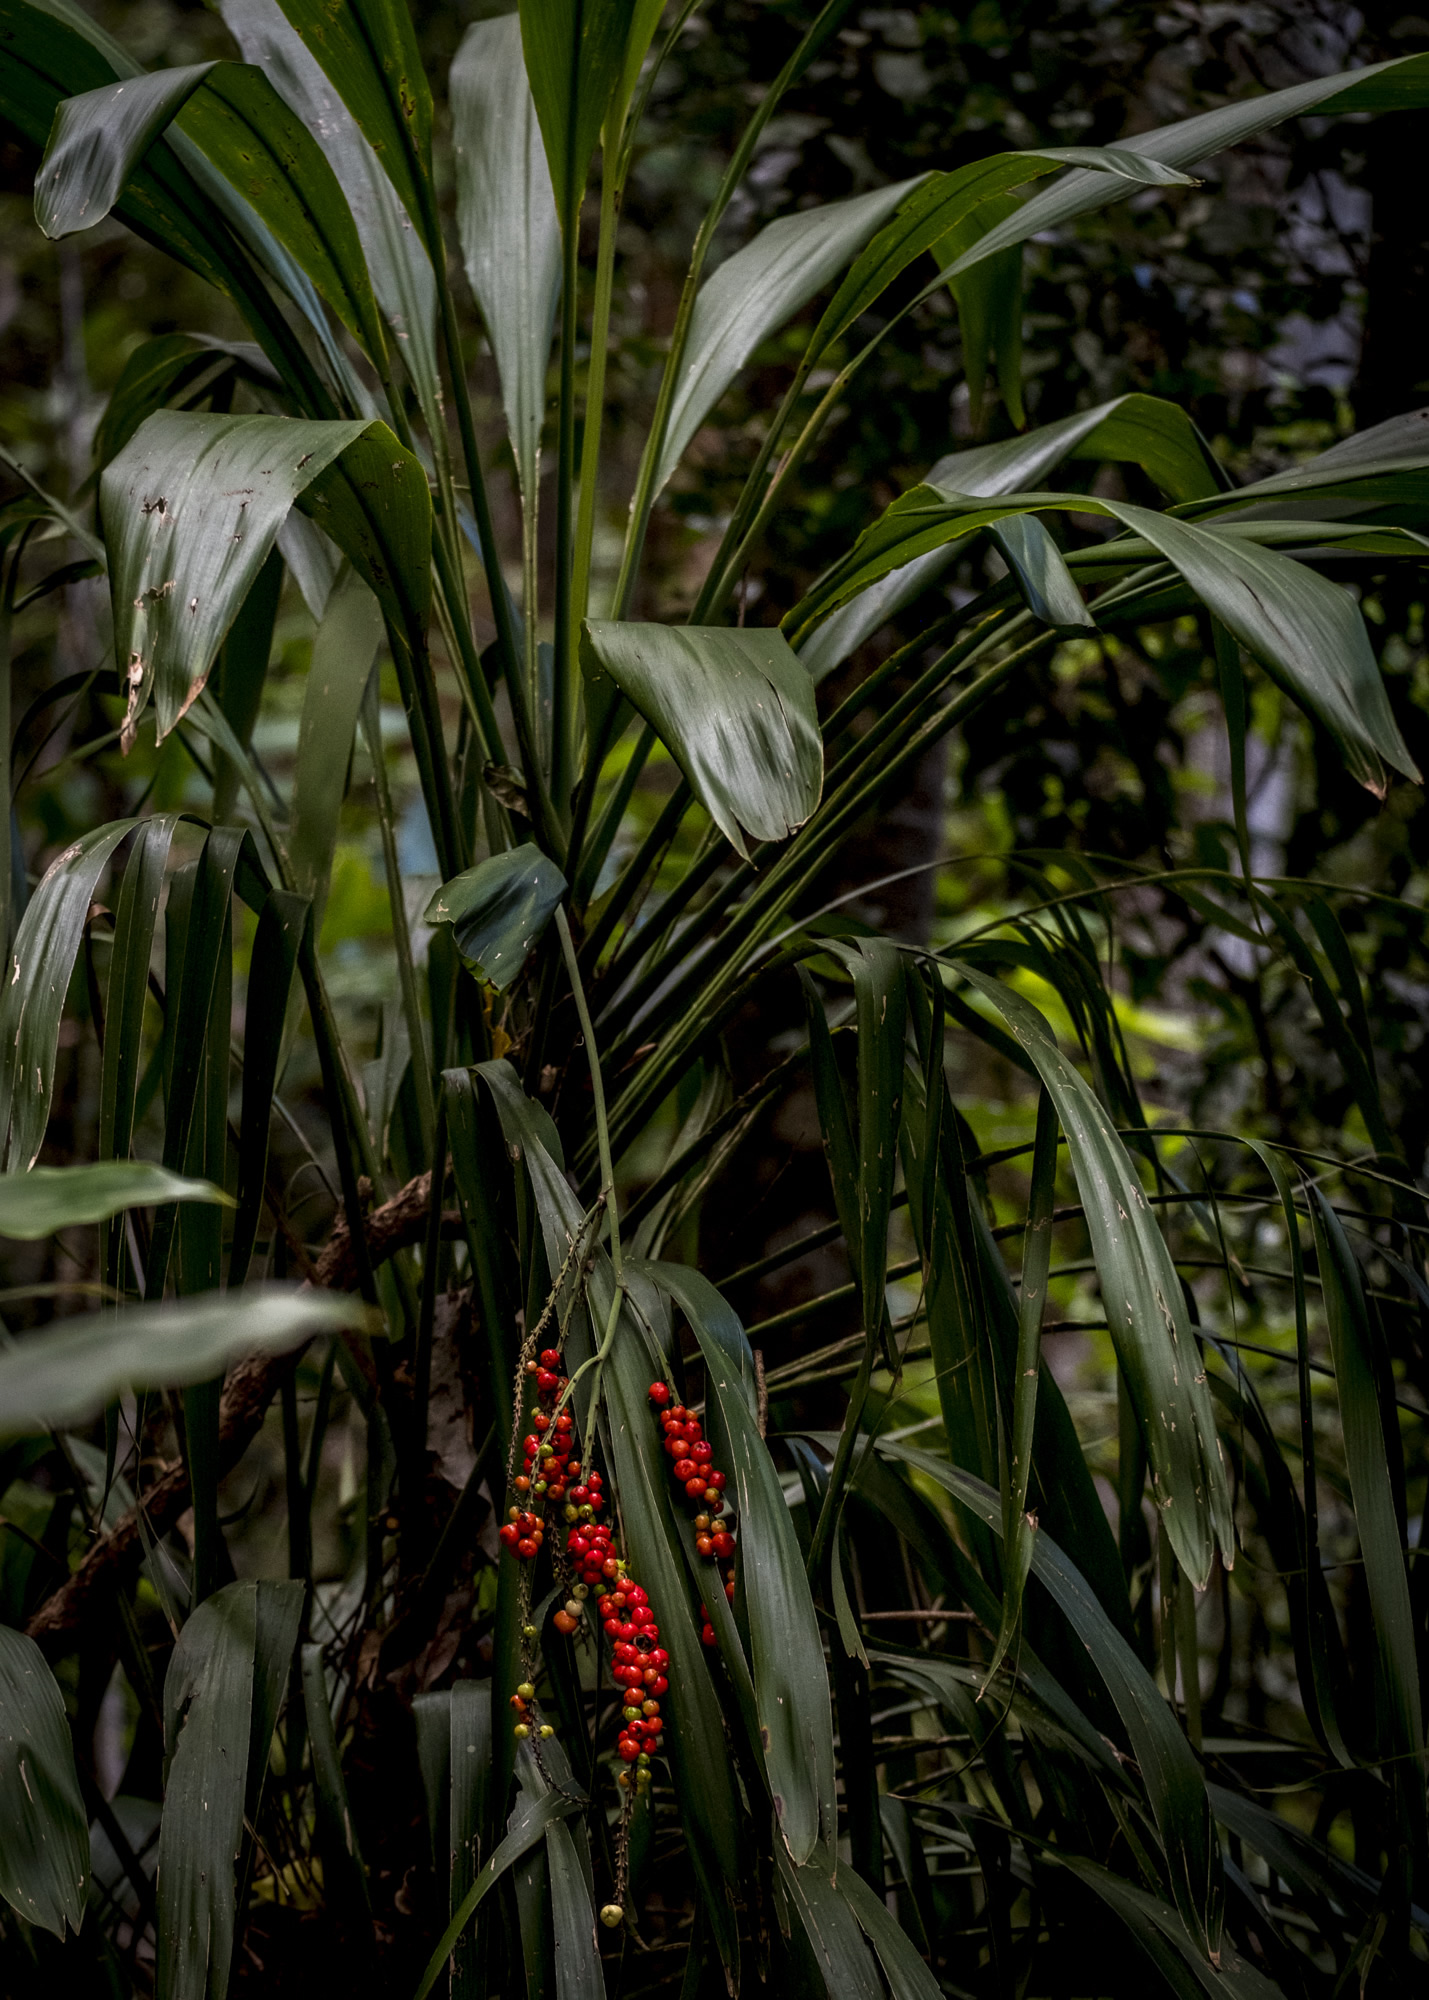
[551, 1465]
[640, 1662]
[692, 1467]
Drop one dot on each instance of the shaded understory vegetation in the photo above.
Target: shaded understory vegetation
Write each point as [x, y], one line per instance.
[712, 1074]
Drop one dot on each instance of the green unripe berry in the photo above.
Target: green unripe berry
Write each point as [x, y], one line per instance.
[521, 1732]
[612, 1916]
[530, 1632]
[631, 1714]
[526, 1691]
[547, 1731]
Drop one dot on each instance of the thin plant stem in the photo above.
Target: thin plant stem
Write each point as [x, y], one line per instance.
[602, 1129]
[644, 498]
[401, 932]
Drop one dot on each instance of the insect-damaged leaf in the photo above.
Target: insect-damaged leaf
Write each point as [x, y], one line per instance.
[191, 508]
[44, 1851]
[735, 710]
[499, 910]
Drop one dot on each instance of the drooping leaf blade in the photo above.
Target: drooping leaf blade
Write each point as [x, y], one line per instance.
[499, 910]
[44, 1855]
[98, 139]
[40, 966]
[1155, 1344]
[1307, 631]
[37, 1203]
[249, 135]
[191, 508]
[61, 1377]
[1145, 430]
[753, 294]
[735, 710]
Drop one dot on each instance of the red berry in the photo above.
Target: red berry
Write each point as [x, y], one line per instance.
[703, 1545]
[526, 1549]
[723, 1543]
[695, 1488]
[540, 1421]
[659, 1658]
[659, 1394]
[564, 1421]
[564, 1623]
[546, 1382]
[685, 1469]
[629, 1749]
[717, 1480]
[530, 1446]
[701, 1453]
[659, 1685]
[550, 1357]
[708, 1635]
[509, 1534]
[729, 1590]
